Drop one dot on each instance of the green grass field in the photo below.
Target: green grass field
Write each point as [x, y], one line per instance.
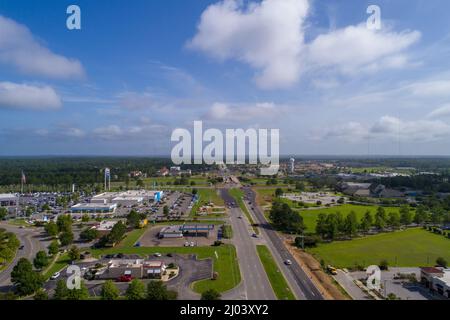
[276, 278]
[206, 196]
[224, 259]
[310, 216]
[132, 237]
[62, 261]
[409, 248]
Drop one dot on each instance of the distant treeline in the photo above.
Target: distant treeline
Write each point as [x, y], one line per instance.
[54, 171]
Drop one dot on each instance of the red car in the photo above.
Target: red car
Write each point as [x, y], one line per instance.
[125, 278]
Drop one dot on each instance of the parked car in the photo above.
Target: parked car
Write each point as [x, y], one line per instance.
[21, 247]
[55, 275]
[157, 254]
[186, 244]
[125, 278]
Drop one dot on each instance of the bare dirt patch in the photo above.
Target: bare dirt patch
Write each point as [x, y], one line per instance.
[313, 269]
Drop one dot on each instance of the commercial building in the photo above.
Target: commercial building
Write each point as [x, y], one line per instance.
[8, 200]
[103, 208]
[136, 268]
[104, 227]
[180, 231]
[436, 279]
[128, 198]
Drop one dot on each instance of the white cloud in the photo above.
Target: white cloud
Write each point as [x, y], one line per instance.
[431, 88]
[23, 96]
[268, 36]
[357, 48]
[390, 128]
[19, 48]
[225, 112]
[134, 100]
[441, 112]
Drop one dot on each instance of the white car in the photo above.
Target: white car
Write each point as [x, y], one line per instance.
[55, 275]
[192, 244]
[288, 262]
[157, 254]
[186, 244]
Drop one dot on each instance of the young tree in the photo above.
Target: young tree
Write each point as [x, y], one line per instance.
[89, 234]
[351, 224]
[135, 290]
[74, 253]
[211, 294]
[394, 219]
[166, 210]
[380, 218]
[133, 219]
[25, 279]
[441, 262]
[85, 218]
[406, 216]
[61, 290]
[53, 248]
[51, 229]
[278, 192]
[321, 225]
[366, 222]
[66, 238]
[78, 294]
[41, 260]
[156, 290]
[421, 216]
[109, 291]
[40, 295]
[3, 213]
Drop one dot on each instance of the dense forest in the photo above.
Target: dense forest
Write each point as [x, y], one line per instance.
[54, 171]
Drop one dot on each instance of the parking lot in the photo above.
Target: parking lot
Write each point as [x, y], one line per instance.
[179, 204]
[150, 239]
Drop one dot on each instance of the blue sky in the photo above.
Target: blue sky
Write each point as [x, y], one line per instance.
[137, 70]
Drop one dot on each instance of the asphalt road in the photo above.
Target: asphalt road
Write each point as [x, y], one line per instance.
[30, 239]
[294, 274]
[255, 282]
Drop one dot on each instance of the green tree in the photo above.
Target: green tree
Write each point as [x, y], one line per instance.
[61, 290]
[133, 219]
[85, 218]
[51, 229]
[156, 290]
[41, 260]
[41, 295]
[394, 219]
[3, 213]
[278, 192]
[109, 291]
[74, 253]
[285, 219]
[53, 248]
[66, 238]
[166, 210]
[351, 224]
[406, 216]
[421, 215]
[441, 262]
[366, 222]
[78, 294]
[89, 234]
[25, 279]
[135, 290]
[64, 223]
[211, 294]
[380, 218]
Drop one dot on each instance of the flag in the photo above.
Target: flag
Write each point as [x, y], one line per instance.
[23, 179]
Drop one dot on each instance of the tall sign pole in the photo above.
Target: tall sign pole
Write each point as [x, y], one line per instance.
[107, 179]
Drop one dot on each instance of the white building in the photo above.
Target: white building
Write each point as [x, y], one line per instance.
[436, 279]
[8, 200]
[103, 208]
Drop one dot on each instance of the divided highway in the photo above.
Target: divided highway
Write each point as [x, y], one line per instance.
[254, 277]
[299, 280]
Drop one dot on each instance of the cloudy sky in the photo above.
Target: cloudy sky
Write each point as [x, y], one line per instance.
[137, 70]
